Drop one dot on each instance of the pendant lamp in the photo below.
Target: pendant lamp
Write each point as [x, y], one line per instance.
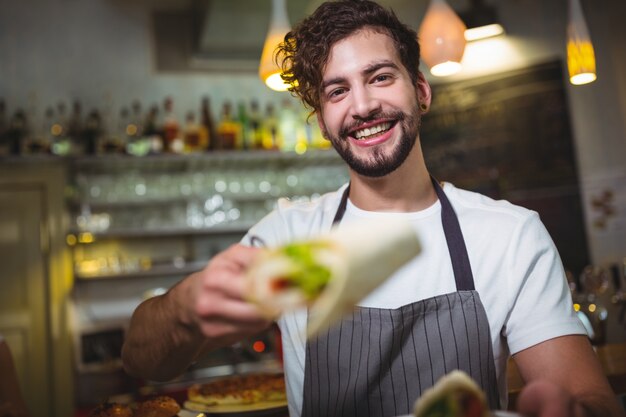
[442, 39]
[481, 20]
[581, 60]
[279, 26]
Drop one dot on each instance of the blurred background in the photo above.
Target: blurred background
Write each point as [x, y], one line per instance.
[137, 139]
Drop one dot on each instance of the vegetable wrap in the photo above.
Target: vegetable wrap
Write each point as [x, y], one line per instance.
[332, 272]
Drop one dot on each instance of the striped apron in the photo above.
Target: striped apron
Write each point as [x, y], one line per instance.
[377, 362]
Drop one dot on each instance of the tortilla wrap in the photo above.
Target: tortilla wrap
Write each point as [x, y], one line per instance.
[454, 395]
[349, 262]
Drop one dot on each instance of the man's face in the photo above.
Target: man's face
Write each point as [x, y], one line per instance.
[369, 107]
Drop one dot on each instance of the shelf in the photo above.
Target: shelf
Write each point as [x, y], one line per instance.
[179, 231]
[240, 197]
[155, 271]
[207, 160]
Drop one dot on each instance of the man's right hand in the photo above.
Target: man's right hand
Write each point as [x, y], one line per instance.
[217, 297]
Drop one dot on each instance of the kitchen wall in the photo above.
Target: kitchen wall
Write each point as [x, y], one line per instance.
[101, 52]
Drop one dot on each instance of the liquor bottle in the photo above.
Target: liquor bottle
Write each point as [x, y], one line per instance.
[228, 130]
[59, 140]
[75, 128]
[138, 144]
[195, 135]
[40, 141]
[244, 124]
[171, 128]
[208, 123]
[135, 128]
[152, 132]
[116, 141]
[92, 133]
[5, 146]
[270, 128]
[16, 132]
[288, 126]
[255, 126]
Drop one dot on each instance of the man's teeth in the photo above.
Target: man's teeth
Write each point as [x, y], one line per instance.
[371, 131]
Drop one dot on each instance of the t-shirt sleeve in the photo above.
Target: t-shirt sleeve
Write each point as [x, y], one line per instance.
[540, 302]
[270, 231]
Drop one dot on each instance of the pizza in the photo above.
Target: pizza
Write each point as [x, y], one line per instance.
[239, 390]
[161, 406]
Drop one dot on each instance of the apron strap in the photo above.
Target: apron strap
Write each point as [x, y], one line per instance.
[456, 244]
[452, 230]
[341, 210]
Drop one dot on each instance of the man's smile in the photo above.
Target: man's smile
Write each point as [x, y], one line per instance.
[371, 131]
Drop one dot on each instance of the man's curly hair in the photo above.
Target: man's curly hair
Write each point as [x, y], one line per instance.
[305, 50]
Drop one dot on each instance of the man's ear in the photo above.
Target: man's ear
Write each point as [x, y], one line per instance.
[423, 91]
[321, 124]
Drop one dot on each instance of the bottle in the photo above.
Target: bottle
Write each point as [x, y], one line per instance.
[151, 130]
[92, 132]
[288, 126]
[115, 142]
[40, 142]
[270, 128]
[228, 130]
[171, 128]
[255, 125]
[17, 131]
[195, 135]
[135, 128]
[244, 126]
[60, 143]
[5, 146]
[75, 128]
[208, 123]
[138, 144]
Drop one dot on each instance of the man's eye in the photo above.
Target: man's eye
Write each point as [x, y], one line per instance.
[336, 92]
[382, 77]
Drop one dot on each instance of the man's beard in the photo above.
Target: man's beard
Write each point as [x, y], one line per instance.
[378, 163]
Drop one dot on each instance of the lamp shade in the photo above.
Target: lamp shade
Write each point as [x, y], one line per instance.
[279, 26]
[442, 39]
[581, 60]
[481, 21]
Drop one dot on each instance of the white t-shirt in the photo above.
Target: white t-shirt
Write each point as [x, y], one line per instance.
[517, 273]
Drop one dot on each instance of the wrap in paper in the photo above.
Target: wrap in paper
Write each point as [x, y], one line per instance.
[355, 258]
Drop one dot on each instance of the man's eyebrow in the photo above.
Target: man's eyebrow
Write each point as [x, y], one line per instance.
[370, 69]
[375, 66]
[336, 80]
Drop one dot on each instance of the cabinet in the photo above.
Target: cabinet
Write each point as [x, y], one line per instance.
[35, 283]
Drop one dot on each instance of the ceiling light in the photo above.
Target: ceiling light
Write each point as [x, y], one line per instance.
[581, 60]
[279, 26]
[481, 21]
[483, 32]
[441, 39]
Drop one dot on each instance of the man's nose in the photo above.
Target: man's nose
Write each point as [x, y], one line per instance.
[365, 104]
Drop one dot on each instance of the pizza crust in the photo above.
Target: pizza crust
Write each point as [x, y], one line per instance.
[239, 390]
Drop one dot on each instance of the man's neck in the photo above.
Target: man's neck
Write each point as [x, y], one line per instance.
[407, 189]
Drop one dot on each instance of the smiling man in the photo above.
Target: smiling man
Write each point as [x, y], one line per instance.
[489, 282]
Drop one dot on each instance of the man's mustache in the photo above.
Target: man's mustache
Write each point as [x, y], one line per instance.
[398, 116]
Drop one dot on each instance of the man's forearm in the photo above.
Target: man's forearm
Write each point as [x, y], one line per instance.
[161, 342]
